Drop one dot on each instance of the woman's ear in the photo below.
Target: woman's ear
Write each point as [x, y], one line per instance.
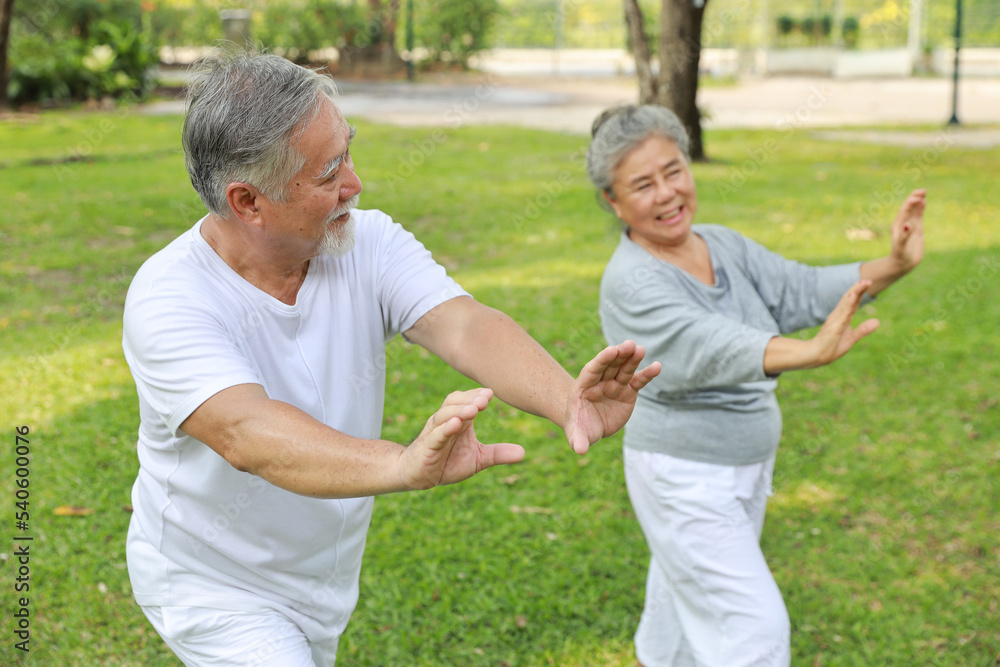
[609, 196]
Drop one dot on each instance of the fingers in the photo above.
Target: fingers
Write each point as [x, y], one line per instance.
[631, 354]
[609, 361]
[852, 297]
[911, 213]
[839, 320]
[643, 377]
[863, 329]
[615, 362]
[501, 454]
[580, 444]
[849, 303]
[620, 363]
[456, 414]
[916, 198]
[479, 397]
[851, 337]
[836, 337]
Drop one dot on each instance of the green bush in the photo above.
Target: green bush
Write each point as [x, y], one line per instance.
[809, 28]
[92, 50]
[786, 25]
[196, 25]
[851, 29]
[453, 30]
[295, 29]
[825, 26]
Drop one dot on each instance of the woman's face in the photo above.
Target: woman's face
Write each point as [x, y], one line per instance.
[654, 193]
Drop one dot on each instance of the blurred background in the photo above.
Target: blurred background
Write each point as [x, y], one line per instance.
[62, 50]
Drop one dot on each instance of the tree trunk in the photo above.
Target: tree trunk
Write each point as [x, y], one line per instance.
[376, 56]
[640, 52]
[680, 53]
[384, 13]
[389, 23]
[6, 9]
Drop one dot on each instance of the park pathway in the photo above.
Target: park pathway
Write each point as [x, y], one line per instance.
[570, 103]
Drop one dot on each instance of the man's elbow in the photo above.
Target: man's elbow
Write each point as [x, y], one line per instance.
[228, 441]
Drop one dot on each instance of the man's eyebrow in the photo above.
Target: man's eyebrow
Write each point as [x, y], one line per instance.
[332, 165]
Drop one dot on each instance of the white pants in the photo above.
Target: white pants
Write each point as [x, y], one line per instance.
[710, 598]
[254, 638]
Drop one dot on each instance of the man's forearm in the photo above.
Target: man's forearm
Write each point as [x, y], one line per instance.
[288, 448]
[488, 346]
[319, 461]
[499, 354]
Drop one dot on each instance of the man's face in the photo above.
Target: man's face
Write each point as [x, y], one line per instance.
[316, 216]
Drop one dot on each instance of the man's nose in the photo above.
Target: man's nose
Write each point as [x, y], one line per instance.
[352, 184]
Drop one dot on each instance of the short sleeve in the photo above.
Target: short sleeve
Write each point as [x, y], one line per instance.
[410, 282]
[180, 354]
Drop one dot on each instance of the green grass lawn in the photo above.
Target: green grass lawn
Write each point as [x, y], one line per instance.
[883, 534]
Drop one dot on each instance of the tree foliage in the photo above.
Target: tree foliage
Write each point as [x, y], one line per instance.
[453, 30]
[80, 49]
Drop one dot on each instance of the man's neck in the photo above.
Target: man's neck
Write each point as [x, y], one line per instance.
[281, 280]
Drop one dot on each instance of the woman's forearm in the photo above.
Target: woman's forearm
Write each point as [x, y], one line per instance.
[883, 272]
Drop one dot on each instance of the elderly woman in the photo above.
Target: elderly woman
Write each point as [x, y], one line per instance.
[712, 306]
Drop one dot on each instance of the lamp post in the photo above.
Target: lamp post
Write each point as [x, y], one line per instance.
[958, 47]
[560, 19]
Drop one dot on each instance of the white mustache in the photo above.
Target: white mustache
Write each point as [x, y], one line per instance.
[341, 210]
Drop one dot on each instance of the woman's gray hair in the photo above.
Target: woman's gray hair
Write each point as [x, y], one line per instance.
[619, 130]
[244, 111]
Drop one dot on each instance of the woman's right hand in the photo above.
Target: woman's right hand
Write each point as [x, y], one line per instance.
[833, 341]
[836, 336]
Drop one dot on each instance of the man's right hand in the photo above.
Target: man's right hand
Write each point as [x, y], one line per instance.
[447, 450]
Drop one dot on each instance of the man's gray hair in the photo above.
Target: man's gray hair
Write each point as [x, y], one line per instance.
[619, 130]
[245, 110]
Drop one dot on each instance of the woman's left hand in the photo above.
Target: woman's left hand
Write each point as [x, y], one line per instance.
[908, 231]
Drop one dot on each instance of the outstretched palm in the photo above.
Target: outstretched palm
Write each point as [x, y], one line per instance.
[908, 230]
[836, 337]
[447, 450]
[604, 394]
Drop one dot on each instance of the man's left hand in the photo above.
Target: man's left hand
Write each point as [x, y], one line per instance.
[604, 394]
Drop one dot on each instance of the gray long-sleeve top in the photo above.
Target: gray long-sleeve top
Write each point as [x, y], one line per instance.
[712, 402]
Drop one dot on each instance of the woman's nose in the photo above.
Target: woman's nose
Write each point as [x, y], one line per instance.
[664, 191]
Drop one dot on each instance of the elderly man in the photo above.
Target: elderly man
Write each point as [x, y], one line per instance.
[256, 340]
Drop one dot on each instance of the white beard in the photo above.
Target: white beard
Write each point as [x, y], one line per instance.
[339, 241]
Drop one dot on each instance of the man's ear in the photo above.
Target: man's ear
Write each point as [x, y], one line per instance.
[243, 202]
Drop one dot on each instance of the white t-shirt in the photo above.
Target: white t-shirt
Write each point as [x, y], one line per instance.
[203, 533]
